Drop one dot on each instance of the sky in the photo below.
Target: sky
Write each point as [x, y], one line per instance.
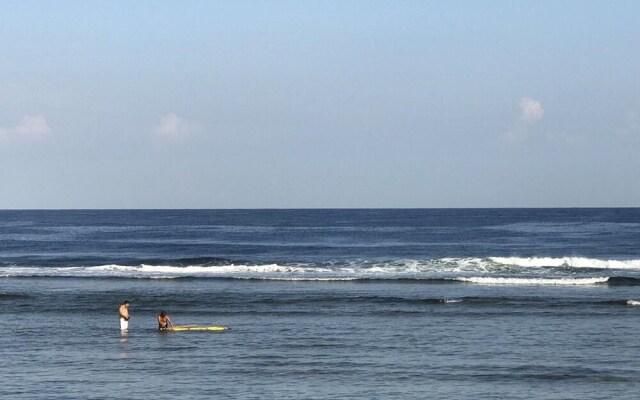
[319, 104]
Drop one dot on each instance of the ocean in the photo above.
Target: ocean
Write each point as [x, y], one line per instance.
[322, 304]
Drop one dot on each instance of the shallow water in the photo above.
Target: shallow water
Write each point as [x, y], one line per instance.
[319, 340]
[332, 330]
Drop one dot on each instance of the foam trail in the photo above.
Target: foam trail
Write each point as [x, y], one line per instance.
[217, 270]
[273, 271]
[493, 270]
[633, 303]
[573, 262]
[535, 281]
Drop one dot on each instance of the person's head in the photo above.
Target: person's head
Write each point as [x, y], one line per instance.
[163, 314]
[126, 303]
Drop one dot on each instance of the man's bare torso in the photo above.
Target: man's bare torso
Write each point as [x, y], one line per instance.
[124, 311]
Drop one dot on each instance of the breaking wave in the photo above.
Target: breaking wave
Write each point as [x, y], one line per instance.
[487, 271]
[536, 281]
[570, 262]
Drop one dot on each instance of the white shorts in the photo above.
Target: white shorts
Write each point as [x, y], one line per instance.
[124, 324]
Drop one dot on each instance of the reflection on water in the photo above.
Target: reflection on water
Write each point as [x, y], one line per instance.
[163, 335]
[124, 340]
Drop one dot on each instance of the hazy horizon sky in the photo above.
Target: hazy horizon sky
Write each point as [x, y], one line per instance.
[296, 104]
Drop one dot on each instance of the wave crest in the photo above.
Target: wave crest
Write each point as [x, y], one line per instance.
[571, 262]
[535, 281]
[492, 270]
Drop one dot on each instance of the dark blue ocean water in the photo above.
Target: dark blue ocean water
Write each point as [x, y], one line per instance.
[355, 304]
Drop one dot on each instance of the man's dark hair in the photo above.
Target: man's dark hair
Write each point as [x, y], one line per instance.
[127, 302]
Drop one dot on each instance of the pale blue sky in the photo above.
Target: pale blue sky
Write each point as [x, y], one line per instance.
[152, 104]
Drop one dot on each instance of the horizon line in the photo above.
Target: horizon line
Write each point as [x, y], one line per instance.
[319, 208]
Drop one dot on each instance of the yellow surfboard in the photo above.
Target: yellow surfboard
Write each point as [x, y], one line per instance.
[180, 328]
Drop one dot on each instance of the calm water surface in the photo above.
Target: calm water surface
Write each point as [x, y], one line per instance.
[354, 304]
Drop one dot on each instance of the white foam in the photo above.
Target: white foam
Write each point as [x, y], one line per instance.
[300, 279]
[633, 303]
[509, 270]
[574, 262]
[224, 271]
[535, 281]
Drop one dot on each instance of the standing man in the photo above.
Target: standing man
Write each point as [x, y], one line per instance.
[124, 315]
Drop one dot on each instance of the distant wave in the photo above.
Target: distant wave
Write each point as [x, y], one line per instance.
[572, 262]
[12, 296]
[217, 270]
[535, 281]
[403, 266]
[487, 271]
